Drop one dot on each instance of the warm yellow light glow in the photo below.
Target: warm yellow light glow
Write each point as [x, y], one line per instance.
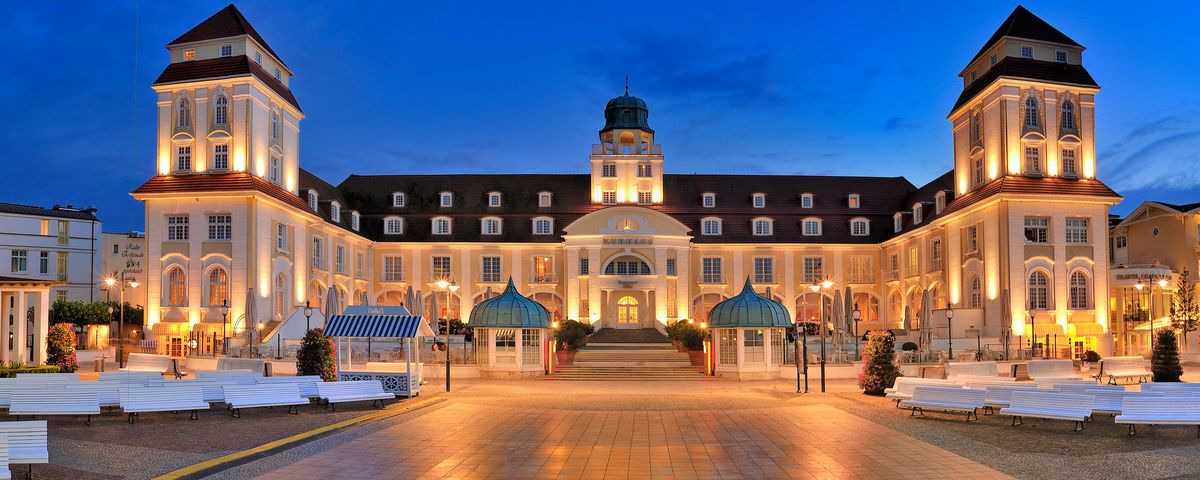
[152, 316]
[164, 163]
[993, 169]
[554, 324]
[597, 194]
[239, 159]
[1162, 283]
[827, 284]
[1139, 286]
[620, 195]
[703, 324]
[453, 287]
[1089, 166]
[134, 284]
[657, 195]
[814, 287]
[193, 318]
[1014, 163]
[291, 182]
[110, 281]
[442, 284]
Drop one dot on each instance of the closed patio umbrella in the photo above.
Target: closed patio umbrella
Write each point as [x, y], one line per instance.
[332, 305]
[907, 323]
[250, 318]
[409, 301]
[849, 310]
[926, 327]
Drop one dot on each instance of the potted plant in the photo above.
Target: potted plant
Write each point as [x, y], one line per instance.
[674, 332]
[570, 337]
[879, 370]
[1089, 358]
[692, 338]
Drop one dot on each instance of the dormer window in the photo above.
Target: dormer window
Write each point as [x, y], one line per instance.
[917, 214]
[1060, 56]
[441, 226]
[860, 227]
[760, 200]
[227, 50]
[545, 199]
[763, 227]
[258, 58]
[897, 222]
[446, 200]
[1026, 51]
[993, 60]
[710, 226]
[393, 226]
[399, 199]
[806, 200]
[279, 74]
[189, 54]
[855, 200]
[709, 200]
[543, 226]
[491, 226]
[811, 227]
[335, 212]
[974, 76]
[355, 221]
[939, 203]
[312, 200]
[494, 199]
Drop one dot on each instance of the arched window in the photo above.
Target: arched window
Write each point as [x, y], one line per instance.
[184, 113]
[176, 287]
[1068, 116]
[218, 287]
[627, 265]
[491, 226]
[281, 298]
[868, 305]
[860, 227]
[393, 226]
[1079, 291]
[808, 307]
[763, 227]
[710, 226]
[221, 110]
[1039, 295]
[441, 226]
[1031, 112]
[543, 226]
[812, 227]
[975, 293]
[704, 304]
[274, 126]
[552, 303]
[895, 307]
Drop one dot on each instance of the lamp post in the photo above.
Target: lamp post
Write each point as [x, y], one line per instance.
[950, 330]
[257, 350]
[112, 281]
[224, 322]
[553, 347]
[825, 285]
[1032, 330]
[449, 287]
[307, 316]
[857, 315]
[801, 333]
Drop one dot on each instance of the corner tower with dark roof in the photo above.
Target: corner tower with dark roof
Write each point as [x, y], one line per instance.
[626, 164]
[1026, 107]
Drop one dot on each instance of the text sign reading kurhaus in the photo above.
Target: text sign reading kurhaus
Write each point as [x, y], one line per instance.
[629, 241]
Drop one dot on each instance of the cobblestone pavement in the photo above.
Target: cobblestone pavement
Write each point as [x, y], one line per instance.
[542, 429]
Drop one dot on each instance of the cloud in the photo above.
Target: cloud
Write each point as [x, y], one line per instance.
[898, 123]
[1159, 153]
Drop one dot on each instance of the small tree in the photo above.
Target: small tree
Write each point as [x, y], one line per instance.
[1165, 362]
[879, 367]
[1185, 310]
[317, 356]
[60, 347]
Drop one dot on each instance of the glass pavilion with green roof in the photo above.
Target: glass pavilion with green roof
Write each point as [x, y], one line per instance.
[512, 335]
[749, 331]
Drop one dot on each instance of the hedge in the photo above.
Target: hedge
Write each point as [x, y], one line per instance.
[6, 372]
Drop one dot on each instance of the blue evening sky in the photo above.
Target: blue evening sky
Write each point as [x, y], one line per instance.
[504, 87]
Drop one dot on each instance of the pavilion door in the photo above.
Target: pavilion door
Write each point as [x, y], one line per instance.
[627, 312]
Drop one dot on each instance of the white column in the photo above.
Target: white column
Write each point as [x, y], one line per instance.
[683, 283]
[6, 311]
[594, 268]
[19, 328]
[42, 323]
[572, 281]
[789, 282]
[466, 282]
[518, 270]
[660, 287]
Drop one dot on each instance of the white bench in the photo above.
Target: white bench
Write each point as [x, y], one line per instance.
[256, 365]
[945, 398]
[26, 443]
[6, 387]
[1049, 405]
[1066, 383]
[971, 369]
[307, 383]
[1082, 389]
[1172, 388]
[226, 374]
[999, 396]
[213, 391]
[263, 395]
[1048, 369]
[1146, 410]
[353, 391]
[44, 378]
[1124, 367]
[126, 376]
[37, 401]
[903, 388]
[147, 362]
[142, 399]
[1110, 402]
[981, 383]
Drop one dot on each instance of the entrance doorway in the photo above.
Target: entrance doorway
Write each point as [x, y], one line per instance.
[627, 312]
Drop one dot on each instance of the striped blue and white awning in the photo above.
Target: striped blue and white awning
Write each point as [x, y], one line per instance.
[378, 326]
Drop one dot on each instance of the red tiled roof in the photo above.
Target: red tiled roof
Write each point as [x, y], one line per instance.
[219, 182]
[229, 22]
[225, 67]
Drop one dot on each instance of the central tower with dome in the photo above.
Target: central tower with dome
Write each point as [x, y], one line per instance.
[627, 164]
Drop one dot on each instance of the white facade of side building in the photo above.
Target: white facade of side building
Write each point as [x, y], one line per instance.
[123, 255]
[287, 254]
[57, 244]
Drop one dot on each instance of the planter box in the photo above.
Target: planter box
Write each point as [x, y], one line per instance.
[564, 357]
[679, 346]
[697, 357]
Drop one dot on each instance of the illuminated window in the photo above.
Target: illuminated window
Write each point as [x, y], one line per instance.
[189, 54]
[221, 157]
[1079, 291]
[183, 159]
[218, 287]
[221, 110]
[862, 269]
[608, 197]
[935, 255]
[176, 287]
[543, 268]
[855, 200]
[281, 297]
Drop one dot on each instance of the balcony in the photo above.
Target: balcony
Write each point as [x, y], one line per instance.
[548, 278]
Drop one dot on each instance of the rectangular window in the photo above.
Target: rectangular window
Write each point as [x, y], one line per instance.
[531, 346]
[279, 74]
[221, 157]
[935, 255]
[490, 273]
[226, 50]
[859, 228]
[44, 263]
[398, 199]
[543, 268]
[544, 200]
[806, 200]
[542, 227]
[281, 237]
[897, 222]
[354, 221]
[583, 266]
[20, 261]
[760, 201]
[183, 159]
[258, 58]
[64, 232]
[1060, 56]
[608, 170]
[1037, 230]
[189, 54]
[275, 169]
[63, 267]
[644, 198]
[752, 345]
[441, 226]
[1123, 241]
[710, 200]
[814, 269]
[494, 200]
[710, 268]
[645, 170]
[393, 269]
[764, 270]
[855, 201]
[339, 259]
[441, 267]
[728, 346]
[671, 267]
[220, 227]
[44, 228]
[1033, 159]
[1077, 230]
[861, 269]
[1068, 162]
[609, 198]
[914, 261]
[1026, 51]
[318, 253]
[978, 170]
[972, 239]
[939, 203]
[779, 355]
[895, 264]
[177, 227]
[359, 265]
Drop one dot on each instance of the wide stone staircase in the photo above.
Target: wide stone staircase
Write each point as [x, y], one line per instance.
[634, 354]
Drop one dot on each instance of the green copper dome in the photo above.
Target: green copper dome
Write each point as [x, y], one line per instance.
[509, 310]
[626, 111]
[749, 309]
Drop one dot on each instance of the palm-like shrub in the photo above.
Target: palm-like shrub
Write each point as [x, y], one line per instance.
[317, 356]
[879, 367]
[60, 347]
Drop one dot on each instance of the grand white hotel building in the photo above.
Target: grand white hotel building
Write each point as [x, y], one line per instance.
[1020, 219]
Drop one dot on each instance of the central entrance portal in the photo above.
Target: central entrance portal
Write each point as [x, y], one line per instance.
[627, 312]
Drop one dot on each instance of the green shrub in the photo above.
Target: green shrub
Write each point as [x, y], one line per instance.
[572, 334]
[689, 334]
[1165, 363]
[908, 346]
[6, 372]
[879, 367]
[1091, 357]
[317, 356]
[60, 347]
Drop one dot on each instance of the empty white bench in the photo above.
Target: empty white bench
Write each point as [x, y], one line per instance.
[1049, 405]
[1051, 369]
[999, 396]
[971, 369]
[263, 395]
[143, 399]
[903, 388]
[945, 398]
[26, 442]
[6, 387]
[1146, 410]
[1111, 402]
[1082, 389]
[1124, 367]
[981, 383]
[44, 378]
[307, 383]
[353, 391]
[256, 365]
[1062, 382]
[126, 376]
[147, 362]
[43, 402]
[1172, 388]
[226, 374]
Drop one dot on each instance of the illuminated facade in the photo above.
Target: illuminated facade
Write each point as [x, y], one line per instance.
[626, 245]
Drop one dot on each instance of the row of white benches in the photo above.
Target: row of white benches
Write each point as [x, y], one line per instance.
[1114, 368]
